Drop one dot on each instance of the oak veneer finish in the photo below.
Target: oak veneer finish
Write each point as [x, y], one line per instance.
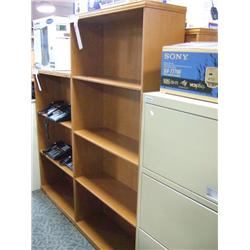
[134, 85]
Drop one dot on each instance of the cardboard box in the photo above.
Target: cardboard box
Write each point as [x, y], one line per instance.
[191, 69]
[83, 6]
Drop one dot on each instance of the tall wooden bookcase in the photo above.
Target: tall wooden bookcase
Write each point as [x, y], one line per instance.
[119, 61]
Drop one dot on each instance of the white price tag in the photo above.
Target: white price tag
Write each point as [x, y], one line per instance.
[74, 19]
[35, 73]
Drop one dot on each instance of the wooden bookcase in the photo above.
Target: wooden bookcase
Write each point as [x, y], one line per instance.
[201, 35]
[120, 60]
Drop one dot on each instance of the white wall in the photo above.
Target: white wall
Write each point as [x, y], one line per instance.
[35, 172]
[198, 11]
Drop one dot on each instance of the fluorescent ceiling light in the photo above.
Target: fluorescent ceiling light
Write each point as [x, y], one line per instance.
[45, 7]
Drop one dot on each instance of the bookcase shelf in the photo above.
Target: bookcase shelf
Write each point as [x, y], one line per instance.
[61, 197]
[56, 73]
[66, 124]
[58, 185]
[134, 85]
[105, 235]
[101, 225]
[115, 143]
[57, 164]
[119, 61]
[114, 194]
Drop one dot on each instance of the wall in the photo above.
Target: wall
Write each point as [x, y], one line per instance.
[198, 11]
[35, 172]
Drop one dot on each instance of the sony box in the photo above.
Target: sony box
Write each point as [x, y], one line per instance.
[191, 69]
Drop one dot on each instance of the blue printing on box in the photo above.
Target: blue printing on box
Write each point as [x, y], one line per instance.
[97, 4]
[185, 71]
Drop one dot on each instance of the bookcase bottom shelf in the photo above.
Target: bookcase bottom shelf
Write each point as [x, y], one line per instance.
[105, 234]
[61, 197]
[114, 194]
[99, 229]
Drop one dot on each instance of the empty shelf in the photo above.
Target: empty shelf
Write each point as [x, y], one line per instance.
[117, 144]
[105, 234]
[61, 196]
[114, 194]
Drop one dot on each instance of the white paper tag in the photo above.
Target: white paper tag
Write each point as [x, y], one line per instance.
[74, 19]
[35, 73]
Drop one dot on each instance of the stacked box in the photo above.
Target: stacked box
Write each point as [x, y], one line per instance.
[191, 69]
[83, 6]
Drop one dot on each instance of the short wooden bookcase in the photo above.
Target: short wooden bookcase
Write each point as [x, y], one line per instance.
[201, 35]
[120, 60]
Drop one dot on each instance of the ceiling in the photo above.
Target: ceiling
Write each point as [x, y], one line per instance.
[63, 8]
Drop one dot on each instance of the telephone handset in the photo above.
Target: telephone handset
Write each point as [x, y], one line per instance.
[67, 162]
[58, 150]
[63, 113]
[51, 108]
[214, 12]
[57, 111]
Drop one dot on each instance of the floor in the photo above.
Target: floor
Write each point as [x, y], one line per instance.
[51, 229]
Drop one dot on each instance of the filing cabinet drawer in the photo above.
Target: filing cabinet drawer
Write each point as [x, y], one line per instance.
[145, 242]
[174, 220]
[181, 147]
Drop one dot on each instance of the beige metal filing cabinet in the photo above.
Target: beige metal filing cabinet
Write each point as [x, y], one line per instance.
[177, 206]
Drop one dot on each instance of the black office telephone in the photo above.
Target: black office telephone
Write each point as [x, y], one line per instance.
[63, 113]
[214, 12]
[67, 161]
[51, 108]
[58, 150]
[57, 111]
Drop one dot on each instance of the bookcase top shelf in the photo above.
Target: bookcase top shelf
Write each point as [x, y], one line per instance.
[58, 73]
[132, 6]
